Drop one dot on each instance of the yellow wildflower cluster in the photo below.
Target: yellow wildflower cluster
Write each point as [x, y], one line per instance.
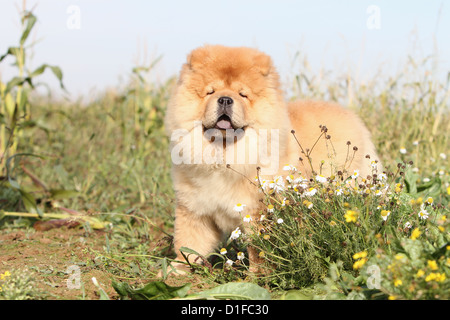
[438, 277]
[3, 276]
[351, 216]
[362, 256]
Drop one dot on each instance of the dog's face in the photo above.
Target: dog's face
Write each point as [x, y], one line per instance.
[226, 89]
[227, 101]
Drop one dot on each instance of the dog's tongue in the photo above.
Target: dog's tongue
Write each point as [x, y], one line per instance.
[224, 124]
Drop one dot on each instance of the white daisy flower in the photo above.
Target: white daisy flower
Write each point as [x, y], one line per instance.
[235, 234]
[229, 262]
[408, 225]
[289, 167]
[338, 192]
[280, 221]
[240, 256]
[223, 251]
[382, 177]
[423, 214]
[262, 218]
[378, 192]
[270, 208]
[320, 178]
[403, 150]
[416, 143]
[355, 174]
[385, 214]
[277, 184]
[443, 156]
[290, 178]
[311, 192]
[247, 218]
[239, 207]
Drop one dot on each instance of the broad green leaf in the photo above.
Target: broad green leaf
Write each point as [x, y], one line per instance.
[55, 70]
[13, 51]
[296, 295]
[10, 105]
[234, 291]
[57, 194]
[410, 180]
[156, 290]
[31, 20]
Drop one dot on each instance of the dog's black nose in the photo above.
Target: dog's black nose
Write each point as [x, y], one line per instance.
[225, 102]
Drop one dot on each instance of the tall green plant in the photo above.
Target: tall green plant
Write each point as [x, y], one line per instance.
[15, 106]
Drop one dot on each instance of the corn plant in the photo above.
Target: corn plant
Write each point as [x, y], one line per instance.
[15, 106]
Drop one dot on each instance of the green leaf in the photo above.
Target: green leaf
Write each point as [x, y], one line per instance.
[13, 51]
[234, 291]
[410, 181]
[55, 70]
[156, 290]
[57, 194]
[31, 20]
[296, 295]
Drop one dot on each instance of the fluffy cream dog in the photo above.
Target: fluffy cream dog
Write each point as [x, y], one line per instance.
[226, 118]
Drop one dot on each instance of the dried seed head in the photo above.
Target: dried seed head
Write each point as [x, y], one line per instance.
[349, 143]
[355, 148]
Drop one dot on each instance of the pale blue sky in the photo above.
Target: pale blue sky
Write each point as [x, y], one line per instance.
[331, 33]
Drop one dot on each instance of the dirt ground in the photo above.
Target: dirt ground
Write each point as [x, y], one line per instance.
[49, 254]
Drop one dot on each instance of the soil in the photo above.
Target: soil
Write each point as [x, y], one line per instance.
[49, 254]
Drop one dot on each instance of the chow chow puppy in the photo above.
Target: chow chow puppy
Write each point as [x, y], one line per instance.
[228, 123]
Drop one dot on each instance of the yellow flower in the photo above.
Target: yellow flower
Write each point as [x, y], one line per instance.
[261, 254]
[360, 255]
[392, 298]
[430, 200]
[332, 223]
[399, 256]
[441, 228]
[419, 200]
[358, 264]
[420, 273]
[398, 282]
[266, 237]
[438, 277]
[351, 216]
[385, 214]
[432, 265]
[4, 275]
[415, 234]
[448, 190]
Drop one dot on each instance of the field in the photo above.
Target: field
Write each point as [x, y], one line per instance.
[87, 202]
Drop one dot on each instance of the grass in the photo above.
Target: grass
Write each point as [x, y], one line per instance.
[107, 159]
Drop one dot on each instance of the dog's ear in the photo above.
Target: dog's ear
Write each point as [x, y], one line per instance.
[197, 57]
[263, 63]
